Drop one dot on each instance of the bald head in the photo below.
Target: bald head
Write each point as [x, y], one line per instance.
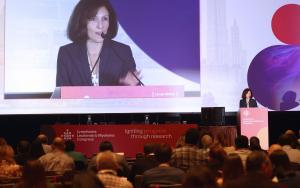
[274, 147]
[42, 138]
[58, 143]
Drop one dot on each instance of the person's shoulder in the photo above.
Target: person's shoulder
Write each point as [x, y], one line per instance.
[118, 44]
[72, 46]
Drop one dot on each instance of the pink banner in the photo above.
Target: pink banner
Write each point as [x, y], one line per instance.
[92, 92]
[128, 139]
[254, 122]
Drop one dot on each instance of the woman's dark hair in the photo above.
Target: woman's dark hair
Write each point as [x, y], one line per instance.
[163, 153]
[245, 92]
[233, 167]
[85, 10]
[254, 143]
[200, 176]
[36, 149]
[33, 175]
[281, 163]
[70, 145]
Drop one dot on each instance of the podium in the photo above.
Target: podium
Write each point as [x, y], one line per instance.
[254, 122]
[109, 92]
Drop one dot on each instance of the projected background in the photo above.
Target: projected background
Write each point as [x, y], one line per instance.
[237, 44]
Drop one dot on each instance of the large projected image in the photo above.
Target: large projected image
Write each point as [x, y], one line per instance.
[165, 46]
[212, 49]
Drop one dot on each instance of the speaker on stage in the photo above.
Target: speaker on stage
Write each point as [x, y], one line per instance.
[213, 116]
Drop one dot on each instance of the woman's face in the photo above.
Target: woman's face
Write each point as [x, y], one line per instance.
[98, 25]
[248, 94]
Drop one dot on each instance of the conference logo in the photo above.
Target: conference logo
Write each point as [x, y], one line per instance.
[67, 135]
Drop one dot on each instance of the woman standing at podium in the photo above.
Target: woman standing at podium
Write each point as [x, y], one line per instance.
[247, 100]
[93, 58]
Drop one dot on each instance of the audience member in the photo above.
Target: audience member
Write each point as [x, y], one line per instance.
[255, 144]
[87, 179]
[273, 148]
[223, 141]
[147, 162]
[282, 170]
[293, 136]
[242, 148]
[2, 141]
[107, 166]
[122, 163]
[8, 166]
[80, 160]
[259, 173]
[285, 140]
[57, 160]
[233, 168]
[34, 176]
[163, 174]
[199, 177]
[44, 140]
[23, 152]
[36, 149]
[206, 140]
[188, 155]
[216, 159]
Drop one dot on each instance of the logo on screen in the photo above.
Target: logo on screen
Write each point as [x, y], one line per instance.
[67, 135]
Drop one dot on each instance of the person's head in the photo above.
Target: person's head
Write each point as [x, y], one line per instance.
[7, 153]
[91, 18]
[2, 141]
[199, 177]
[70, 145]
[222, 139]
[192, 136]
[106, 146]
[273, 148]
[241, 142]
[258, 161]
[254, 143]
[87, 179]
[107, 161]
[233, 167]
[247, 94]
[206, 140]
[36, 149]
[23, 147]
[217, 154]
[285, 139]
[58, 144]
[43, 138]
[280, 162]
[163, 153]
[149, 148]
[34, 174]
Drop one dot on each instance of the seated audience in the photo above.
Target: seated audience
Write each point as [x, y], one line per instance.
[232, 169]
[206, 140]
[216, 159]
[107, 166]
[34, 176]
[286, 140]
[223, 141]
[163, 174]
[44, 140]
[273, 148]
[258, 174]
[8, 166]
[80, 160]
[282, 170]
[255, 144]
[23, 152]
[122, 163]
[199, 177]
[57, 160]
[147, 162]
[87, 180]
[188, 155]
[36, 149]
[242, 148]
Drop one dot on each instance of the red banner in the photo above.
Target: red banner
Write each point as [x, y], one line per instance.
[128, 139]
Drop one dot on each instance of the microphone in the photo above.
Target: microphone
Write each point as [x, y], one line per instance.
[106, 37]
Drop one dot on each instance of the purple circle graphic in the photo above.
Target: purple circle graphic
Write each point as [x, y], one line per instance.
[274, 77]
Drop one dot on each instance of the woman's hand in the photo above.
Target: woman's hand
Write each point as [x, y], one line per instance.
[131, 78]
